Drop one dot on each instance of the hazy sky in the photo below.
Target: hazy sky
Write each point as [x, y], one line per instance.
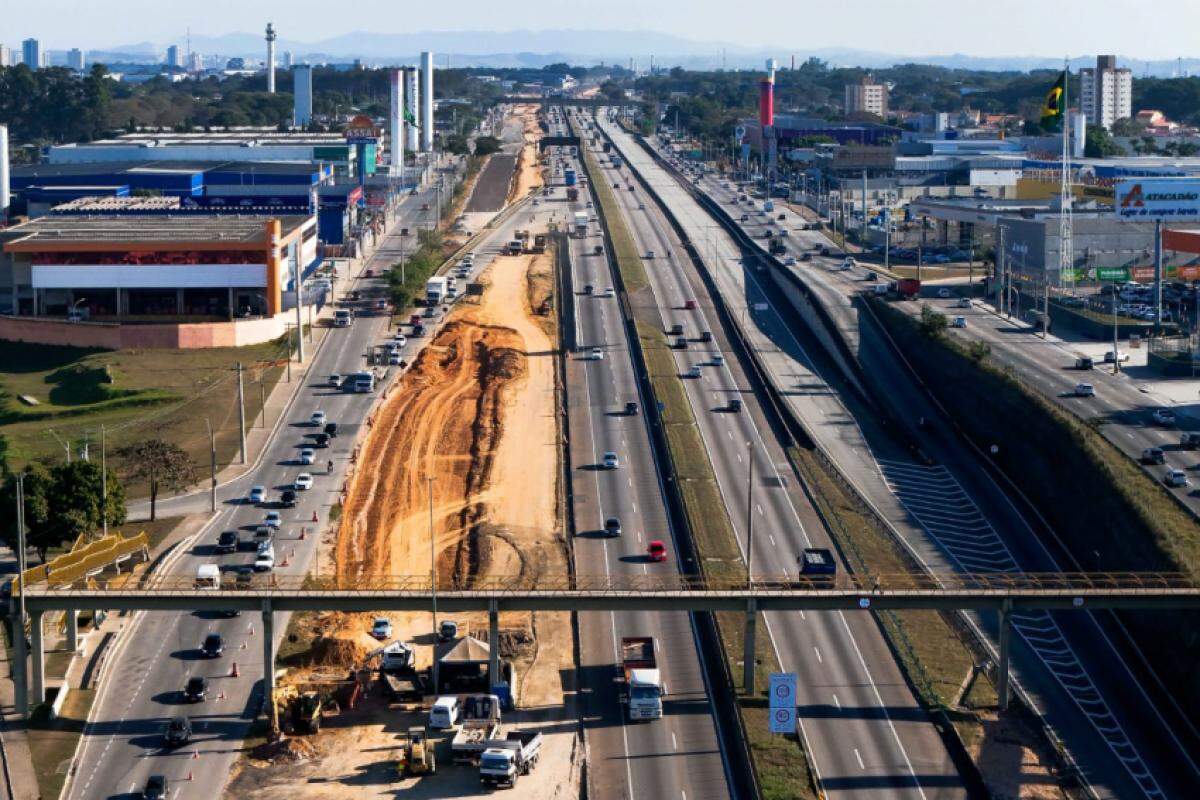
[1160, 29]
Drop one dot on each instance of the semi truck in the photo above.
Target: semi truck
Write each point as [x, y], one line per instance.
[435, 290]
[505, 760]
[581, 223]
[569, 177]
[643, 687]
[572, 194]
[818, 566]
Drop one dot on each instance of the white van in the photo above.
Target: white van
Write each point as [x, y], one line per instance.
[208, 576]
[445, 712]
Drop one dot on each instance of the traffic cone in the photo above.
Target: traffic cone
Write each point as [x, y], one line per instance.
[234, 672]
[303, 533]
[189, 777]
[220, 695]
[195, 754]
[251, 630]
[243, 647]
[314, 519]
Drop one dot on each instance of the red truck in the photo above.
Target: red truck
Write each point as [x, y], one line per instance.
[907, 288]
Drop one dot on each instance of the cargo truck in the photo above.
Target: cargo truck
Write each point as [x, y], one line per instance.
[539, 243]
[435, 290]
[504, 760]
[581, 223]
[907, 288]
[572, 194]
[643, 687]
[818, 567]
[569, 177]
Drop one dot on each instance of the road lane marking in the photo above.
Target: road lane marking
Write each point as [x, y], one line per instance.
[674, 744]
[837, 702]
[817, 650]
[857, 755]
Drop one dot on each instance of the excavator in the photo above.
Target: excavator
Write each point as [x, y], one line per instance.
[296, 711]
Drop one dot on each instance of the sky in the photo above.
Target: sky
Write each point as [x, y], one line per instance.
[1158, 29]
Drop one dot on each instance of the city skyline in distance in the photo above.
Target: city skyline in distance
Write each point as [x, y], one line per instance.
[1018, 32]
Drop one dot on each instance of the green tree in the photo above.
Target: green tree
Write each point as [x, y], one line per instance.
[932, 323]
[457, 144]
[486, 145]
[160, 464]
[37, 507]
[61, 503]
[1099, 144]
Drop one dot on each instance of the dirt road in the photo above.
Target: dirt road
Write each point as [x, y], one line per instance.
[529, 171]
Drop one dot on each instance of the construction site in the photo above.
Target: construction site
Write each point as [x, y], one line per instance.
[459, 473]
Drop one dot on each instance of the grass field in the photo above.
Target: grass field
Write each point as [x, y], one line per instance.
[134, 394]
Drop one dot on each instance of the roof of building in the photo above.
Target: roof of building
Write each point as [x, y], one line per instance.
[232, 231]
[467, 650]
[100, 205]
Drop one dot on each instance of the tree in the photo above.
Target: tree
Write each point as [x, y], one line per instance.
[932, 323]
[1099, 144]
[486, 145]
[161, 464]
[61, 503]
[457, 144]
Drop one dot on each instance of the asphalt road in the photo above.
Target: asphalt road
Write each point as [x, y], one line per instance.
[1077, 676]
[158, 651]
[864, 730]
[678, 756]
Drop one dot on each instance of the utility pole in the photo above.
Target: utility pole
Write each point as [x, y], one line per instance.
[862, 237]
[241, 411]
[212, 465]
[103, 482]
[1000, 269]
[433, 587]
[749, 516]
[262, 398]
[299, 315]
[21, 674]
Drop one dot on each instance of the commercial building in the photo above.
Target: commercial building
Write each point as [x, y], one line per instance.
[1106, 92]
[173, 58]
[866, 96]
[131, 270]
[75, 59]
[5, 56]
[31, 53]
[238, 145]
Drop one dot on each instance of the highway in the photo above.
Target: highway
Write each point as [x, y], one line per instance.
[864, 731]
[952, 515]
[678, 756]
[156, 652]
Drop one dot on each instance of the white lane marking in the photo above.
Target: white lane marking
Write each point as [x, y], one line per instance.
[759, 507]
[817, 650]
[674, 744]
[772, 538]
[858, 755]
[837, 702]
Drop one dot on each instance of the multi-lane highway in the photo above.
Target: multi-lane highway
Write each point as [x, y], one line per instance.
[864, 731]
[157, 652]
[952, 515]
[680, 755]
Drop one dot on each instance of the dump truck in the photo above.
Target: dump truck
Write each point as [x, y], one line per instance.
[416, 754]
[505, 760]
[643, 687]
[480, 724]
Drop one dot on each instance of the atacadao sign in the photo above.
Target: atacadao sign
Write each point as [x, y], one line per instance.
[1158, 198]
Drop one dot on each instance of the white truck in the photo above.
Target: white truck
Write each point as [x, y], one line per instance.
[435, 291]
[208, 576]
[480, 725]
[644, 688]
[505, 760]
[581, 223]
[342, 318]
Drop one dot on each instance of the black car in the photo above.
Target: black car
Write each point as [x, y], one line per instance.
[612, 527]
[178, 732]
[631, 409]
[331, 428]
[321, 440]
[156, 788]
[214, 645]
[227, 542]
[196, 690]
[287, 498]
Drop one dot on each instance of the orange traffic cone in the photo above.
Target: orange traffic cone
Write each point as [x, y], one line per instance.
[220, 695]
[314, 516]
[234, 672]
[303, 533]
[195, 754]
[251, 630]
[189, 777]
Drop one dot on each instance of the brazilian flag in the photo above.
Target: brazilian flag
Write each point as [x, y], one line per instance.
[1055, 105]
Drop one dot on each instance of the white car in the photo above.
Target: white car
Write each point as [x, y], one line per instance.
[595, 354]
[1164, 416]
[258, 494]
[963, 302]
[650, 254]
[382, 628]
[1110, 357]
[848, 263]
[1085, 390]
[694, 372]
[335, 380]
[317, 418]
[265, 560]
[307, 455]
[608, 292]
[790, 261]
[273, 520]
[958, 322]
[718, 360]
[303, 481]
[1176, 478]
[610, 460]
[400, 339]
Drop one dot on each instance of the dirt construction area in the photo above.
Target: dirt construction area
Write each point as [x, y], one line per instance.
[471, 432]
[529, 173]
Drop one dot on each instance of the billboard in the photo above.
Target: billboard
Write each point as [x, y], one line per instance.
[1166, 199]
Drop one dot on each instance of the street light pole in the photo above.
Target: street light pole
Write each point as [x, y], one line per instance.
[433, 586]
[749, 516]
[103, 482]
[212, 462]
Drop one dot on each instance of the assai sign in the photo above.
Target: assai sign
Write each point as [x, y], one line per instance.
[1158, 199]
